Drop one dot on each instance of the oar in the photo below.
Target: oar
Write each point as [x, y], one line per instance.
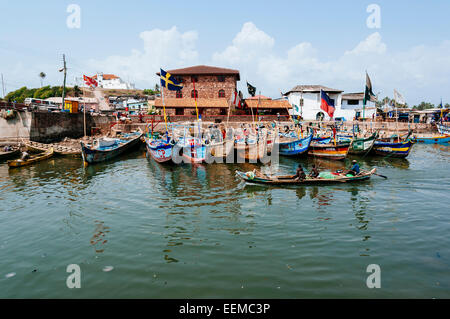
[380, 175]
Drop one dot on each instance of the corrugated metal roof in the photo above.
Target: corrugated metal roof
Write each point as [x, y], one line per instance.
[312, 89]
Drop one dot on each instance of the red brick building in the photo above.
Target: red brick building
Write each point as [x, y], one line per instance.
[214, 88]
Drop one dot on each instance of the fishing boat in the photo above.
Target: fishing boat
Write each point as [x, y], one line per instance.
[437, 139]
[31, 160]
[294, 146]
[103, 149]
[443, 129]
[363, 145]
[159, 149]
[329, 150]
[392, 148]
[15, 151]
[324, 178]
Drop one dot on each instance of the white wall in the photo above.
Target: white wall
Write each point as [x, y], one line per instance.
[19, 127]
[311, 104]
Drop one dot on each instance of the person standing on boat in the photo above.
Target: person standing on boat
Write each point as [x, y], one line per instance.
[314, 172]
[300, 174]
[355, 168]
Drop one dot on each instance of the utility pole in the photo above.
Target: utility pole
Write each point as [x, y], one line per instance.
[64, 84]
[3, 88]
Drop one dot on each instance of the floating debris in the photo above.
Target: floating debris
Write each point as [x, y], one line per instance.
[108, 268]
[11, 274]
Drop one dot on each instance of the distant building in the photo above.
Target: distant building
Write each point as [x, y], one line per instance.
[266, 106]
[305, 100]
[214, 88]
[111, 81]
[89, 102]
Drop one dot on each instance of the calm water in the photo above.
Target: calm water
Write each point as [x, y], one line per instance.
[198, 232]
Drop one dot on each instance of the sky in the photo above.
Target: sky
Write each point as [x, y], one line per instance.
[275, 45]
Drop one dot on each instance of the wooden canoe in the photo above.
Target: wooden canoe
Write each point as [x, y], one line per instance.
[8, 155]
[58, 150]
[290, 180]
[33, 159]
[438, 139]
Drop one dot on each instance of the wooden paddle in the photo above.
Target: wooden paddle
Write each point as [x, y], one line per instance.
[380, 175]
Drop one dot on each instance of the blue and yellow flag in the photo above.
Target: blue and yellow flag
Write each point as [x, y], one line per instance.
[169, 82]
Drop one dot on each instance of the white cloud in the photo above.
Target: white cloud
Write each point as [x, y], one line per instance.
[161, 48]
[420, 73]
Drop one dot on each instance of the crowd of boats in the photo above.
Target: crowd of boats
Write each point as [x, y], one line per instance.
[193, 143]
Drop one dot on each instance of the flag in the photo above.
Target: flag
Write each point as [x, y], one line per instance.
[251, 89]
[241, 104]
[169, 82]
[326, 103]
[90, 81]
[368, 94]
[399, 98]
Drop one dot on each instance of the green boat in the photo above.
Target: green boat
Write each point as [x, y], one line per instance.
[362, 146]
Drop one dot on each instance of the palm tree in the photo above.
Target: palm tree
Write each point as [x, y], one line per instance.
[42, 75]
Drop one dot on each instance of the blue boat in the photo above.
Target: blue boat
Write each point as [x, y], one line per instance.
[160, 149]
[104, 149]
[439, 139]
[296, 146]
[399, 149]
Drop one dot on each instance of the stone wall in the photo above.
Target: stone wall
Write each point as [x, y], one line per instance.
[49, 127]
[208, 86]
[17, 127]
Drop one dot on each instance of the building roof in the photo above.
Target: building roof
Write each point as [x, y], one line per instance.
[353, 96]
[312, 89]
[268, 104]
[107, 76]
[256, 97]
[204, 70]
[188, 102]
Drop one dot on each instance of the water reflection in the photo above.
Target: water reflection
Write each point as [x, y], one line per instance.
[98, 239]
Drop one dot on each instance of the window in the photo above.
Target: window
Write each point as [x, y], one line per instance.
[221, 93]
[179, 95]
[179, 111]
[221, 78]
[194, 78]
[353, 102]
[194, 94]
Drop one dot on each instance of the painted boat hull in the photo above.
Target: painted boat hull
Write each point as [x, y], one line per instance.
[58, 150]
[92, 155]
[193, 150]
[35, 159]
[442, 139]
[251, 152]
[296, 147]
[283, 180]
[393, 149]
[329, 151]
[362, 145]
[161, 152]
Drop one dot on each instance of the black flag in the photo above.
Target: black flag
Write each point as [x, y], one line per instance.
[251, 89]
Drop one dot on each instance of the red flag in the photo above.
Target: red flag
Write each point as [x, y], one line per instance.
[326, 103]
[90, 81]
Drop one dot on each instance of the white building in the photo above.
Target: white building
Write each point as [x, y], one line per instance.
[352, 106]
[111, 81]
[305, 101]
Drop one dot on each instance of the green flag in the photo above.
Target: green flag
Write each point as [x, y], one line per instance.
[368, 93]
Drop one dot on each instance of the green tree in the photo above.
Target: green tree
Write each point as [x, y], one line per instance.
[423, 106]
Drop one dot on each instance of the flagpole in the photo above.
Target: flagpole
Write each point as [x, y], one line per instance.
[84, 114]
[164, 107]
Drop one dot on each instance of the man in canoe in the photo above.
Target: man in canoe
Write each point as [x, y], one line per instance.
[25, 155]
[300, 174]
[355, 168]
[314, 172]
